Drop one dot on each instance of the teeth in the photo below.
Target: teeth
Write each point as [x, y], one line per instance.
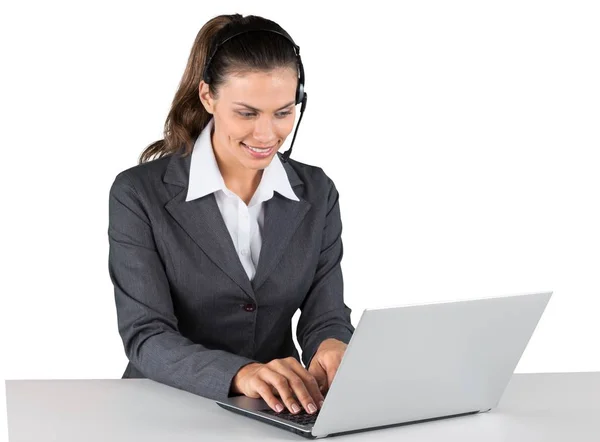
[258, 150]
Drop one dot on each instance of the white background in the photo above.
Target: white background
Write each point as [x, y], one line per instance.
[462, 136]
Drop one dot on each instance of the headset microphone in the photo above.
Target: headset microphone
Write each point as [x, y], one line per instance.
[288, 152]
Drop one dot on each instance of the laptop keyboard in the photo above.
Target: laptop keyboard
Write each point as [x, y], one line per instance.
[302, 418]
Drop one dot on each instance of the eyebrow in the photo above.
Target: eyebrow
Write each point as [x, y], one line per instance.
[257, 110]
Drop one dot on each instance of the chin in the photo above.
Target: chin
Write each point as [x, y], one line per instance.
[257, 164]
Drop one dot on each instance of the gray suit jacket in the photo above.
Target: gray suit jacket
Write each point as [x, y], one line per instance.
[187, 313]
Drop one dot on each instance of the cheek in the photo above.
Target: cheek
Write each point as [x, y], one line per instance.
[284, 127]
[237, 132]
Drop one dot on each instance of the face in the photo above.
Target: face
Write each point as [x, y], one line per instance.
[253, 115]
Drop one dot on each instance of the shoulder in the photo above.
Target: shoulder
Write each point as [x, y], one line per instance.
[315, 181]
[140, 190]
[144, 175]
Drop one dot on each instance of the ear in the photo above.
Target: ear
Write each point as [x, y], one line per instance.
[205, 97]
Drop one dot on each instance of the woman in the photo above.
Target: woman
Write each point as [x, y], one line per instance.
[197, 309]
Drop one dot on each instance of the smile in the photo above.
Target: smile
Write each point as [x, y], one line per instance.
[259, 152]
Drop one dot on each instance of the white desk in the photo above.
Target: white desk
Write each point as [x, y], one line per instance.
[535, 407]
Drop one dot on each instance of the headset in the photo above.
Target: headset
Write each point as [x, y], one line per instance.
[232, 30]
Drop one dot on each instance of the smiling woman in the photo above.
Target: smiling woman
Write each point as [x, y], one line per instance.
[216, 239]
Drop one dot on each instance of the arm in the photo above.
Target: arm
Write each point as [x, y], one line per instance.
[324, 314]
[145, 315]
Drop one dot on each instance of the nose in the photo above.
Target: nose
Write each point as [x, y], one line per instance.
[263, 130]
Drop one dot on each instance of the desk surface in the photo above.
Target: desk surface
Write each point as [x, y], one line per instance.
[535, 407]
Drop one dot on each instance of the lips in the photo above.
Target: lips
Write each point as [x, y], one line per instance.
[260, 147]
[258, 154]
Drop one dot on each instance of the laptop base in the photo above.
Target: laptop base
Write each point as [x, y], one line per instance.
[307, 434]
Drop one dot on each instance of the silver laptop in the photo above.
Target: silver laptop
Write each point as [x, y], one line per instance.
[417, 363]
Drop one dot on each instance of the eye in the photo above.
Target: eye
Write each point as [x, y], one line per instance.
[252, 114]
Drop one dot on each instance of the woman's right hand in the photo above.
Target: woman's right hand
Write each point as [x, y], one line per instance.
[285, 378]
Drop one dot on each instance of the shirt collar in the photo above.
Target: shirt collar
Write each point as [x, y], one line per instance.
[205, 176]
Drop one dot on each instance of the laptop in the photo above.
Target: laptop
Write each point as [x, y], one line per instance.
[417, 363]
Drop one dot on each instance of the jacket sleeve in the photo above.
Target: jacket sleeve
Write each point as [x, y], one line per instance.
[146, 319]
[323, 312]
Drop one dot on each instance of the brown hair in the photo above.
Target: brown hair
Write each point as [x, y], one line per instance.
[253, 51]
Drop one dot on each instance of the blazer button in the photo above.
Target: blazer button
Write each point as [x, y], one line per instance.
[249, 307]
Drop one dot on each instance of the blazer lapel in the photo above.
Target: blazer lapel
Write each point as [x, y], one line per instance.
[282, 218]
[203, 222]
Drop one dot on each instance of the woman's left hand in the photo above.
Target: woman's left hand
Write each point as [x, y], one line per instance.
[325, 362]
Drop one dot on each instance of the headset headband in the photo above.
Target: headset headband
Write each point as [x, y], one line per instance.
[232, 30]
